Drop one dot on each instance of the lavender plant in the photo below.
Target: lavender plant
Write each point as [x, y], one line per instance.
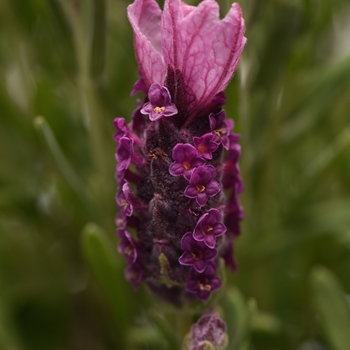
[177, 161]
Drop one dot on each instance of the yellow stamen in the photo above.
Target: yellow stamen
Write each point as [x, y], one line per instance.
[200, 188]
[205, 287]
[159, 110]
[202, 149]
[186, 165]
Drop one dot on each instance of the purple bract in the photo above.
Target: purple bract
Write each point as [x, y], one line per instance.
[187, 38]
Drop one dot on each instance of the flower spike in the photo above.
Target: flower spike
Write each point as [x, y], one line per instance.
[177, 160]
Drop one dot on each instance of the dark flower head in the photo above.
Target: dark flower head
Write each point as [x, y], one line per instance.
[196, 254]
[186, 159]
[202, 184]
[159, 104]
[209, 226]
[203, 283]
[205, 145]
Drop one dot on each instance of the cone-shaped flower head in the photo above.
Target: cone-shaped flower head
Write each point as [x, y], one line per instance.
[178, 155]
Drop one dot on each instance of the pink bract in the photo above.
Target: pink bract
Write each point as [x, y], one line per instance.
[194, 40]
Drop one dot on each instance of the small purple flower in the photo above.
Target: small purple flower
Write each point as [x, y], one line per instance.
[209, 227]
[208, 333]
[134, 274]
[227, 254]
[205, 145]
[127, 246]
[126, 155]
[186, 159]
[159, 104]
[138, 120]
[125, 200]
[121, 129]
[234, 212]
[221, 128]
[203, 283]
[196, 254]
[202, 184]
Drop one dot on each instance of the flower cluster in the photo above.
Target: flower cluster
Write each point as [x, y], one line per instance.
[178, 159]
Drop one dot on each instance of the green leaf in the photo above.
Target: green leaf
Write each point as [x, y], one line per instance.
[331, 304]
[165, 330]
[102, 260]
[62, 162]
[238, 316]
[8, 340]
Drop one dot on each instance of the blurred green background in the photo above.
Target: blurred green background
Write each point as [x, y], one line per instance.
[66, 70]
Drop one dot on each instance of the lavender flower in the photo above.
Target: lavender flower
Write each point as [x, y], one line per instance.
[127, 246]
[159, 104]
[209, 227]
[196, 254]
[186, 159]
[202, 184]
[205, 145]
[173, 165]
[203, 283]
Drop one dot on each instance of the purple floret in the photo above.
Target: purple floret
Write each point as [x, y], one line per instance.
[203, 283]
[126, 155]
[209, 227]
[205, 145]
[202, 184]
[159, 104]
[196, 254]
[134, 274]
[125, 200]
[186, 159]
[127, 246]
[221, 128]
